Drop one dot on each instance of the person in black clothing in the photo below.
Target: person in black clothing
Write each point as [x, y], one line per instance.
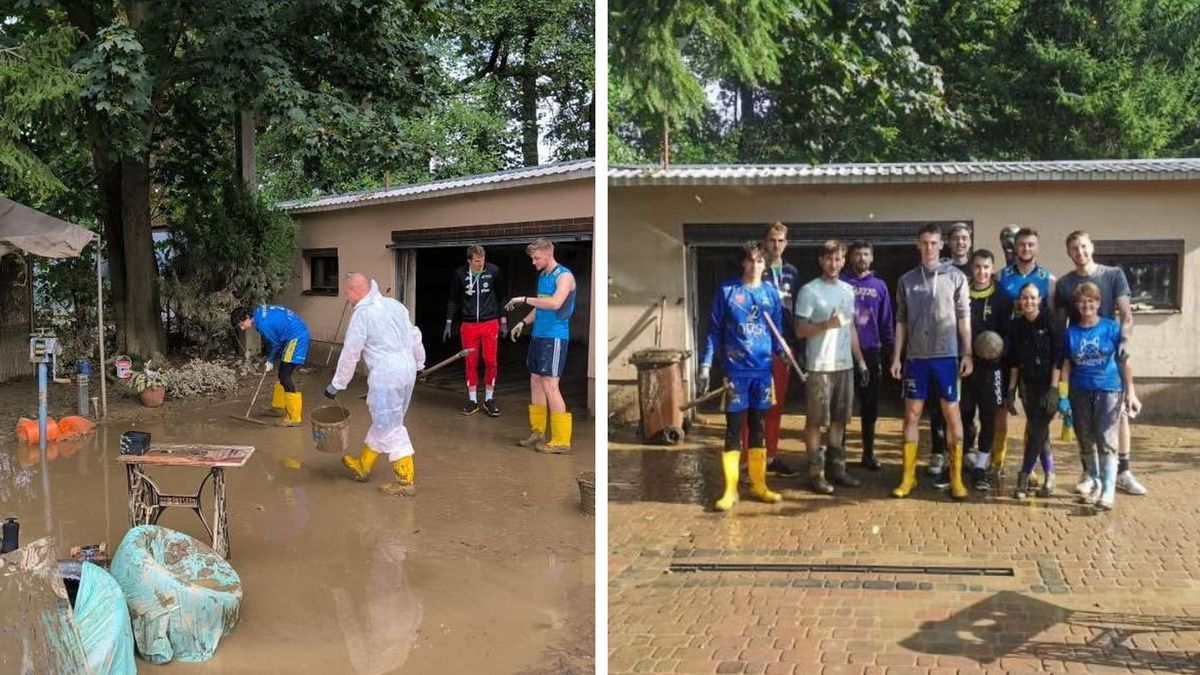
[1035, 357]
[476, 291]
[984, 389]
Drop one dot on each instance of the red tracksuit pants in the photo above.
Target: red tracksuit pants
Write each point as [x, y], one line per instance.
[781, 375]
[482, 337]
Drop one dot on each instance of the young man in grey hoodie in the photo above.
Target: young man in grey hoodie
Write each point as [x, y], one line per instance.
[933, 324]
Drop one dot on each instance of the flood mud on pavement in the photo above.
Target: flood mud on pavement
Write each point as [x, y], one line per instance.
[488, 569]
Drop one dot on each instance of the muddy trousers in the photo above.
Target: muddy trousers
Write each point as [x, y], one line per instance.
[983, 391]
[482, 337]
[749, 423]
[781, 376]
[1037, 434]
[868, 400]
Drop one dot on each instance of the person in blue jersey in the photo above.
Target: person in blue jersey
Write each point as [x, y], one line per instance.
[547, 356]
[286, 339]
[738, 332]
[1097, 365]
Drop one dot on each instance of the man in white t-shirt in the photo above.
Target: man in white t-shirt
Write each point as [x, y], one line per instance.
[824, 317]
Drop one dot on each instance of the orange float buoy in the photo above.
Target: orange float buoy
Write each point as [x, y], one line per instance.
[72, 426]
[27, 430]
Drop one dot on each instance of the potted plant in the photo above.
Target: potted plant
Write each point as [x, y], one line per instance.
[151, 387]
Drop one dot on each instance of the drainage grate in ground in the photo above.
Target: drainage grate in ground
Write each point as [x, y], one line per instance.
[852, 569]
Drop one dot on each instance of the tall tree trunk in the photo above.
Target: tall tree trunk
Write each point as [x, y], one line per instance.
[109, 178]
[747, 121]
[143, 321]
[529, 101]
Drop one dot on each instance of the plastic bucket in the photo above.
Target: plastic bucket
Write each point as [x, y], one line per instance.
[124, 366]
[331, 429]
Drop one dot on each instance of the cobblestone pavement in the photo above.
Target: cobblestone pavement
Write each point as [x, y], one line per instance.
[923, 585]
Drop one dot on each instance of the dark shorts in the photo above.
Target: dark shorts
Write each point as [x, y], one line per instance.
[925, 376]
[546, 357]
[751, 392]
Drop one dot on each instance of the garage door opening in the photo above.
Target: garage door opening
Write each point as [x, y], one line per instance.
[434, 269]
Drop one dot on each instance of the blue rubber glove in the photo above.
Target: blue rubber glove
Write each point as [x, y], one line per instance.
[1064, 406]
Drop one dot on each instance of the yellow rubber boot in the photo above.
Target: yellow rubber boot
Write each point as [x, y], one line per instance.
[729, 462]
[560, 435]
[277, 409]
[293, 405]
[957, 489]
[361, 466]
[404, 485]
[537, 426]
[909, 480]
[756, 466]
[999, 454]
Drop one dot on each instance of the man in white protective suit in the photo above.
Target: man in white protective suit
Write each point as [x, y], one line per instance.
[381, 332]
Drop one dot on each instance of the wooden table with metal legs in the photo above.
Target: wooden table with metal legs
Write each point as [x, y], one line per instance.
[147, 501]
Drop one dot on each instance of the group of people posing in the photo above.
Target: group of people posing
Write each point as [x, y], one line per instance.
[971, 335]
[382, 334]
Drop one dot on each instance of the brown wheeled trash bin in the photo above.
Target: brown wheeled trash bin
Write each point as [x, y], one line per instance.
[660, 393]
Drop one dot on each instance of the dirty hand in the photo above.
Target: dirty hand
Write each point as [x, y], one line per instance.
[512, 304]
[503, 329]
[267, 366]
[1050, 402]
[330, 392]
[446, 331]
[517, 330]
[702, 379]
[1010, 402]
[864, 375]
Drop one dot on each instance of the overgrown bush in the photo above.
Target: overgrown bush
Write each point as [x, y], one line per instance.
[201, 378]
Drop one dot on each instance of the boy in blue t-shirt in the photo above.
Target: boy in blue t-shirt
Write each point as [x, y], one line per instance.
[739, 331]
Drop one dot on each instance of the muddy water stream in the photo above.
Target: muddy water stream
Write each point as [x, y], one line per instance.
[489, 569]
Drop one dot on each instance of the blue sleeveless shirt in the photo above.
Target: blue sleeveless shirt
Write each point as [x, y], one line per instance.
[550, 323]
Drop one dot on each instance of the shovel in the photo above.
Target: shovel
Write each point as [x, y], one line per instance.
[421, 375]
[247, 417]
[706, 397]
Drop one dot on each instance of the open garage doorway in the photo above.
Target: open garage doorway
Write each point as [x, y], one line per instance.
[432, 267]
[713, 252]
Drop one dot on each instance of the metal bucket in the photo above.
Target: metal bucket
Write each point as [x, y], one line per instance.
[331, 429]
[587, 491]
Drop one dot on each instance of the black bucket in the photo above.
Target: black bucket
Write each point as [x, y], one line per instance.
[135, 442]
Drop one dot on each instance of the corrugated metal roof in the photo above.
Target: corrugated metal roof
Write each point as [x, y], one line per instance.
[902, 173]
[533, 175]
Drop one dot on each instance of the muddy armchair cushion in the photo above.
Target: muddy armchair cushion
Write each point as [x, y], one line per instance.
[183, 598]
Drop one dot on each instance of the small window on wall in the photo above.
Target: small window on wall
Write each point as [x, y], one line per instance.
[1153, 269]
[322, 266]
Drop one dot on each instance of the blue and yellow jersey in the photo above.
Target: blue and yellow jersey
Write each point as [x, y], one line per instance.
[278, 326]
[553, 323]
[1012, 281]
[738, 330]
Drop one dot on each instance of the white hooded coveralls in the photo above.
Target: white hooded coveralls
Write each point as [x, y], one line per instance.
[381, 332]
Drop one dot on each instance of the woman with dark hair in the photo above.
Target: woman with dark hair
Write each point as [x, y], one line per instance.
[1101, 382]
[1034, 356]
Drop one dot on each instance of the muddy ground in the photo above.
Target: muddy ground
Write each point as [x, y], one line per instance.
[488, 569]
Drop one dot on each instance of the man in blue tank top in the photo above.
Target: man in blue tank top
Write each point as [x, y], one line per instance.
[547, 356]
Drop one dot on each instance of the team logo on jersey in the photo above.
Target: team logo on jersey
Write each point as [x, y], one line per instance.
[739, 298]
[1089, 352]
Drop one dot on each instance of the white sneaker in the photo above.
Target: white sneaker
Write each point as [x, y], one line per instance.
[1127, 483]
[937, 464]
[1084, 487]
[1094, 496]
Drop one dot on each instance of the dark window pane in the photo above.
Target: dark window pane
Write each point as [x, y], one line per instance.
[1153, 279]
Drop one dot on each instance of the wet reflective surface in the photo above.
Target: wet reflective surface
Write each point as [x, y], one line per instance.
[677, 476]
[488, 569]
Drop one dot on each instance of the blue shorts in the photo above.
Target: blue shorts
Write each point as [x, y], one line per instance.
[755, 392]
[295, 350]
[941, 373]
[546, 357]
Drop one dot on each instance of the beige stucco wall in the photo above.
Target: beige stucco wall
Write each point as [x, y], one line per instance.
[361, 235]
[647, 252]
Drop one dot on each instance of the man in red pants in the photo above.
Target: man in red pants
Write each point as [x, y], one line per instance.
[785, 278]
[475, 294]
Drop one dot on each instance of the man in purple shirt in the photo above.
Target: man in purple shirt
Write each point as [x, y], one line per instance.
[874, 324]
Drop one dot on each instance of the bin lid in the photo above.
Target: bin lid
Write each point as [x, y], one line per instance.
[658, 357]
